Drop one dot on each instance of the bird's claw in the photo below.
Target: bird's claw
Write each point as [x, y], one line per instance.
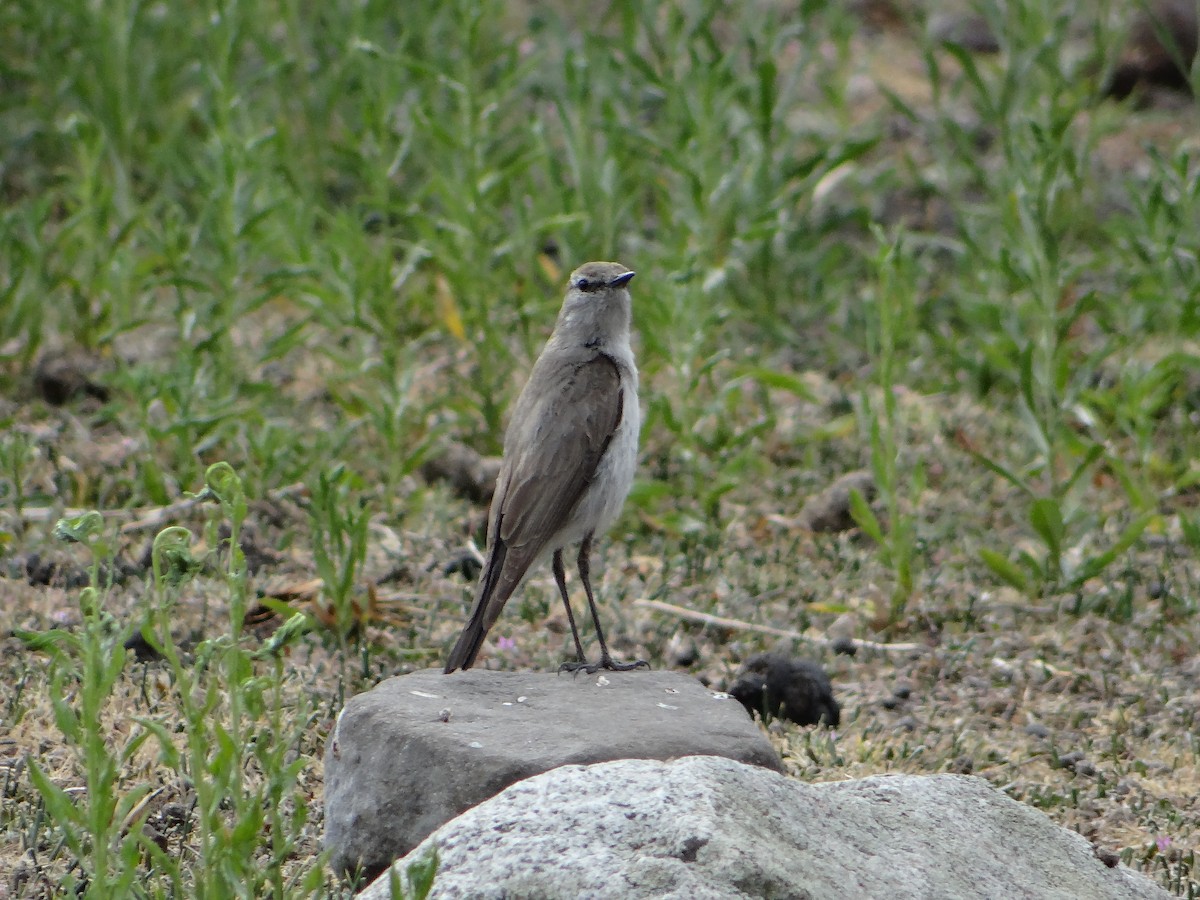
[606, 662]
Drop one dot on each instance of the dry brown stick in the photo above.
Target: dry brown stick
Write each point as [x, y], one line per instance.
[144, 516]
[691, 615]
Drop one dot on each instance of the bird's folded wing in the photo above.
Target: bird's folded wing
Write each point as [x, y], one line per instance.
[564, 433]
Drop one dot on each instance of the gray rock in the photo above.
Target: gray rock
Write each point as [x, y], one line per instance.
[969, 30]
[416, 751]
[470, 474]
[829, 510]
[703, 827]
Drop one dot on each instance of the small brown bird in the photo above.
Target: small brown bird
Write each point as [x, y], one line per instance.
[569, 457]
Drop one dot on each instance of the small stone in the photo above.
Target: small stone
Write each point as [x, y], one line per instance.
[844, 645]
[174, 815]
[142, 649]
[466, 562]
[1076, 762]
[61, 377]
[829, 511]
[902, 692]
[963, 765]
[970, 31]
[470, 474]
[156, 837]
[1066, 760]
[1037, 730]
[1148, 60]
[682, 651]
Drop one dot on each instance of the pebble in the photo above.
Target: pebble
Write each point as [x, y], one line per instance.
[844, 645]
[1077, 763]
[963, 765]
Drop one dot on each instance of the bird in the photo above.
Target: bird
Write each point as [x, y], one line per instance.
[570, 453]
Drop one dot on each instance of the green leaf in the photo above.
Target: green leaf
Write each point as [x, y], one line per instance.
[129, 802]
[168, 753]
[421, 874]
[644, 492]
[1046, 518]
[783, 381]
[1035, 566]
[865, 517]
[395, 886]
[1093, 454]
[47, 641]
[66, 718]
[834, 429]
[712, 498]
[995, 467]
[295, 627]
[1140, 498]
[171, 556]
[248, 831]
[1003, 567]
[1191, 531]
[767, 94]
[1097, 564]
[223, 482]
[58, 802]
[1027, 409]
[81, 529]
[966, 60]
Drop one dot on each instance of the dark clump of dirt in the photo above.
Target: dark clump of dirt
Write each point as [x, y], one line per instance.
[59, 378]
[1160, 52]
[798, 690]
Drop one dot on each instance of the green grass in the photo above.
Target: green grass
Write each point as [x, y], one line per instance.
[313, 242]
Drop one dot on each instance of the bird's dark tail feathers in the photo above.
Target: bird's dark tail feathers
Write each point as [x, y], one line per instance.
[464, 652]
[467, 648]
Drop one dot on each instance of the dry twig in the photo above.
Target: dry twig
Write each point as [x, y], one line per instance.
[737, 624]
[144, 516]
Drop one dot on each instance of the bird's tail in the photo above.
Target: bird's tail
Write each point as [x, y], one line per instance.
[464, 652]
[490, 600]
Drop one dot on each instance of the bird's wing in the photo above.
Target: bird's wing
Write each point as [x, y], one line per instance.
[574, 424]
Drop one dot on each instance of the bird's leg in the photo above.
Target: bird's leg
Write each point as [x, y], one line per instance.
[606, 661]
[560, 576]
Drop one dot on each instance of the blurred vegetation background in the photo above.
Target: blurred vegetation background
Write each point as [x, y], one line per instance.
[952, 245]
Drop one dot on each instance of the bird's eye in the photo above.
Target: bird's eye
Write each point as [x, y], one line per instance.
[584, 284]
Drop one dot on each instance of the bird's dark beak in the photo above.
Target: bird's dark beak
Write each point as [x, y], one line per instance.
[622, 280]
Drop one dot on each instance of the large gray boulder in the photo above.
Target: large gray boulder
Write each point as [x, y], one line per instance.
[417, 750]
[703, 827]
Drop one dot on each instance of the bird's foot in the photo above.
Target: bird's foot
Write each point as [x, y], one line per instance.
[606, 662]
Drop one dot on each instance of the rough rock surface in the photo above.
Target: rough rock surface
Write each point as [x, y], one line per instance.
[703, 827]
[417, 750]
